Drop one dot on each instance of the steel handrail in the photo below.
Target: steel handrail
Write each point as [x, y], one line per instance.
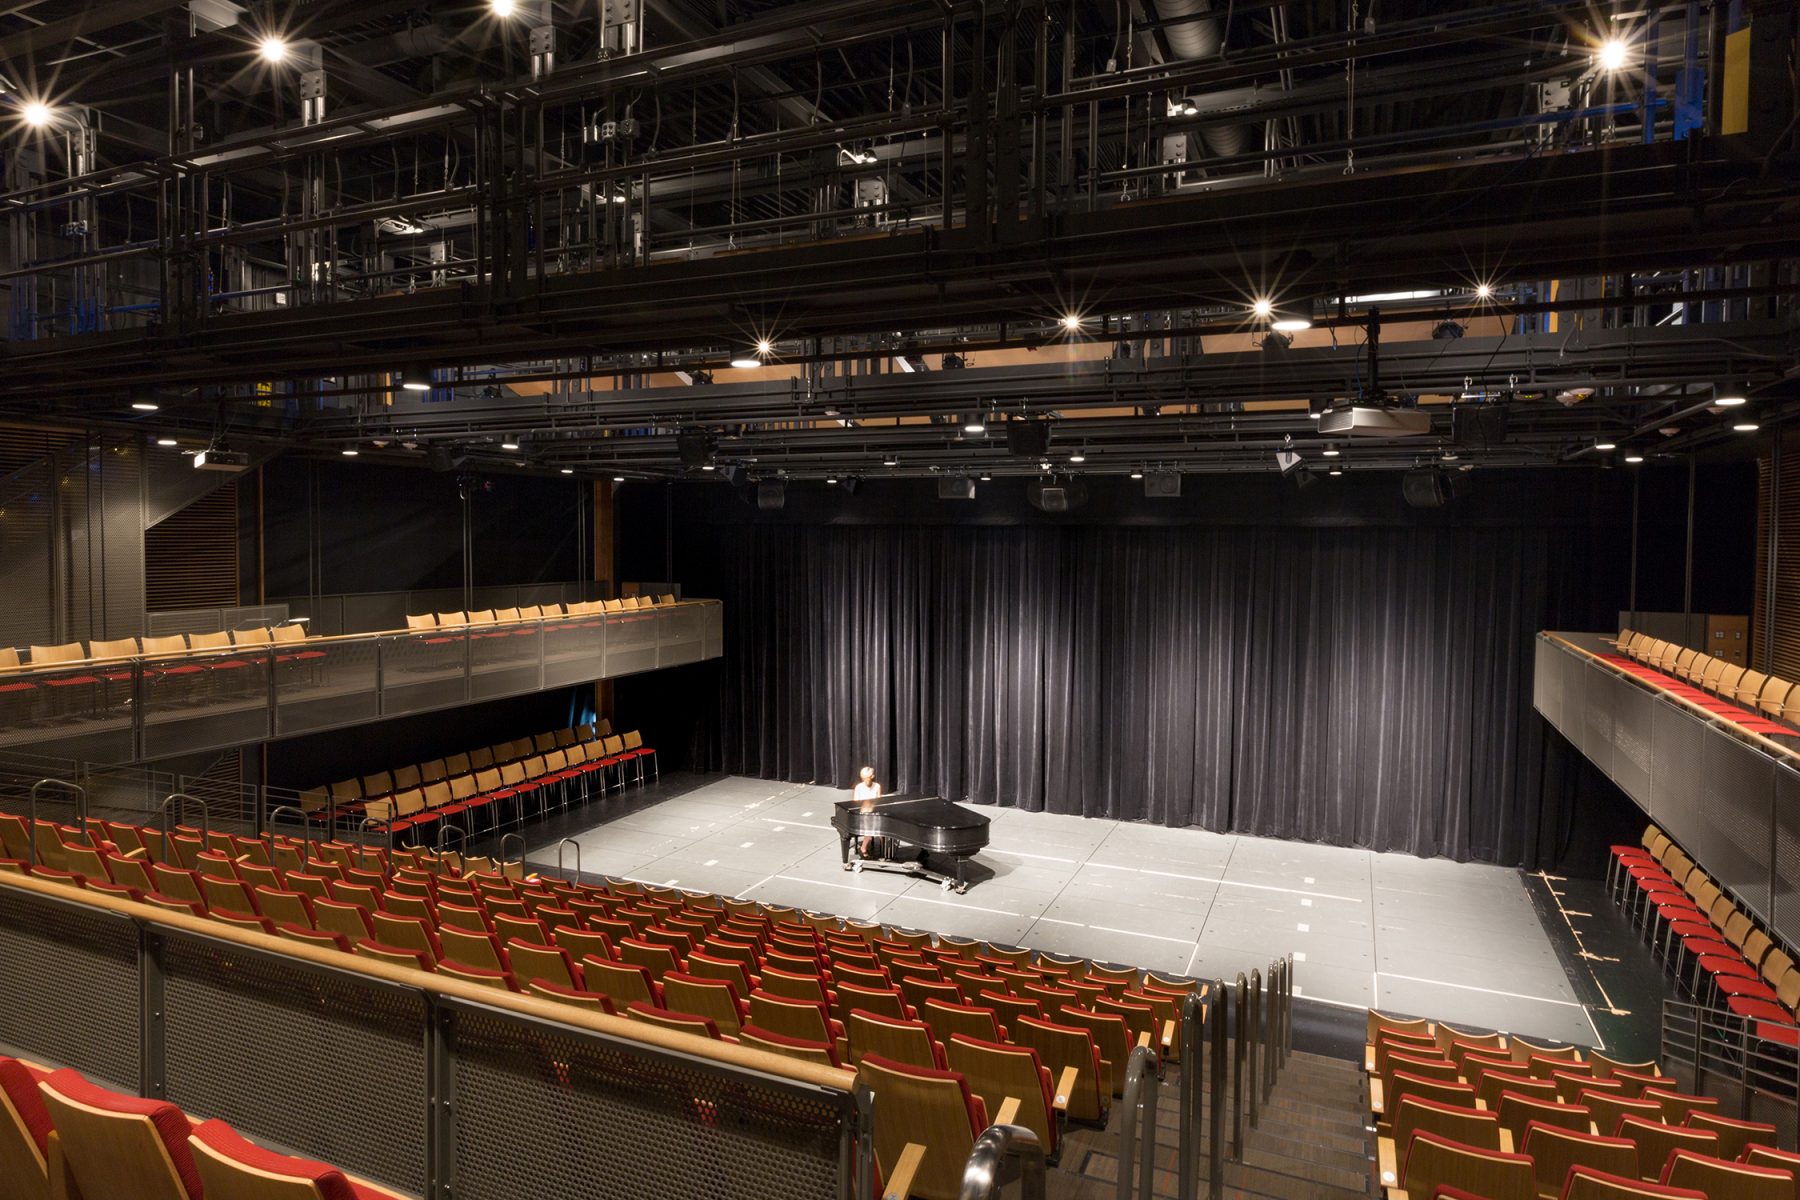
[445, 831]
[1238, 1050]
[162, 813]
[1002, 1154]
[568, 841]
[1192, 1100]
[500, 859]
[305, 832]
[1137, 1127]
[1251, 1034]
[1215, 1127]
[31, 812]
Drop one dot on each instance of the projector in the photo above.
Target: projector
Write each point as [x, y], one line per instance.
[221, 460]
[1367, 421]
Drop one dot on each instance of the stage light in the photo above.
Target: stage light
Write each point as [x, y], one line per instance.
[272, 49]
[1262, 308]
[703, 467]
[1275, 343]
[165, 441]
[1078, 457]
[1603, 446]
[1336, 471]
[618, 479]
[890, 461]
[509, 445]
[144, 406]
[765, 347]
[571, 470]
[348, 452]
[745, 361]
[1071, 322]
[1613, 54]
[1330, 452]
[37, 114]
[1288, 318]
[1745, 427]
[833, 479]
[1287, 461]
[502, 8]
[1314, 415]
[1634, 458]
[1137, 474]
[1446, 331]
[1729, 395]
[415, 379]
[1484, 291]
[974, 424]
[987, 479]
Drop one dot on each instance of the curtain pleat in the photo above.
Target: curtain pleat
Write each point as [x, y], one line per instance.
[1364, 686]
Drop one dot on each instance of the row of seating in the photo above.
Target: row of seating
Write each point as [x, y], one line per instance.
[534, 612]
[945, 1020]
[120, 650]
[1715, 949]
[411, 801]
[1747, 698]
[65, 1137]
[1481, 1116]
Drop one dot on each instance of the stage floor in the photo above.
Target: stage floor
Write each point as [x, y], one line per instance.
[1461, 942]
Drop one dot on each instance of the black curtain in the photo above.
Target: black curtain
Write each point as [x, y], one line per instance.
[1365, 686]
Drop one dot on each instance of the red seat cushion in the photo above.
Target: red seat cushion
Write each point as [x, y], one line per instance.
[1737, 985]
[20, 1084]
[1720, 964]
[170, 1123]
[1761, 1010]
[331, 1183]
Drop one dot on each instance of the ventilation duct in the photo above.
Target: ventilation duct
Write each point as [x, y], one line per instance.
[1200, 39]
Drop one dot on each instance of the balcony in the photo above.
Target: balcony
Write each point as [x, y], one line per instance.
[150, 707]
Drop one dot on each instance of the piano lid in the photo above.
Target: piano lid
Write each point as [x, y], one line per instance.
[933, 812]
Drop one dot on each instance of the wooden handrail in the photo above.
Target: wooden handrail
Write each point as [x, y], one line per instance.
[1712, 718]
[725, 1053]
[251, 649]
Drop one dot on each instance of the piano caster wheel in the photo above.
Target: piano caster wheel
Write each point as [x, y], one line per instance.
[857, 866]
[947, 885]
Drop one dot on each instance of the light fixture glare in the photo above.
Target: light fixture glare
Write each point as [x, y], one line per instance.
[37, 114]
[272, 49]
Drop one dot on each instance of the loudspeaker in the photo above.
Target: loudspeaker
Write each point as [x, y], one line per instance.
[1053, 499]
[850, 485]
[1478, 425]
[1162, 483]
[956, 488]
[730, 473]
[771, 494]
[1057, 497]
[1028, 439]
[440, 458]
[1425, 487]
[695, 447]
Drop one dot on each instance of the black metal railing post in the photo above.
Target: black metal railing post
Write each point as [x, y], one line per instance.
[1194, 1008]
[1215, 1140]
[1238, 1035]
[1251, 1036]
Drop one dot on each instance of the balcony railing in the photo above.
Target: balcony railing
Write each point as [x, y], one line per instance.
[149, 706]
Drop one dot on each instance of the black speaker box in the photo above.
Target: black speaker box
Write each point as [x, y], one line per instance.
[1028, 439]
[1478, 425]
[771, 494]
[1425, 487]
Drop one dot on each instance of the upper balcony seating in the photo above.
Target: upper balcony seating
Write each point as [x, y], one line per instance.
[1762, 704]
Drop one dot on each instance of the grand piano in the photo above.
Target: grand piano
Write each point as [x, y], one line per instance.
[930, 824]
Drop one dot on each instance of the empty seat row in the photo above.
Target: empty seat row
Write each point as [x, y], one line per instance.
[534, 612]
[1765, 704]
[1484, 1116]
[1715, 948]
[64, 1136]
[108, 651]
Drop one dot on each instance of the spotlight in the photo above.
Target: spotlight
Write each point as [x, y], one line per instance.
[974, 424]
[1484, 291]
[890, 461]
[165, 441]
[1335, 471]
[571, 470]
[987, 479]
[1613, 53]
[1330, 452]
[765, 347]
[745, 361]
[618, 479]
[703, 467]
[833, 479]
[415, 379]
[348, 452]
[1729, 395]
[1745, 427]
[1078, 457]
[272, 49]
[502, 8]
[1071, 322]
[1604, 446]
[1287, 318]
[144, 405]
[1276, 343]
[1137, 474]
[1189, 108]
[1263, 308]
[1446, 331]
[509, 445]
[37, 114]
[1634, 458]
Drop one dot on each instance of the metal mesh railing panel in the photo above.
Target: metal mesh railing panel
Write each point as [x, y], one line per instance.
[557, 1116]
[328, 1063]
[69, 987]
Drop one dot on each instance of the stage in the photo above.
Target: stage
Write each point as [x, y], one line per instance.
[1482, 945]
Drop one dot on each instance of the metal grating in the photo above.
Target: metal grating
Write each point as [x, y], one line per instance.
[1784, 648]
[1738, 790]
[332, 1065]
[544, 1113]
[191, 557]
[1786, 881]
[27, 535]
[69, 987]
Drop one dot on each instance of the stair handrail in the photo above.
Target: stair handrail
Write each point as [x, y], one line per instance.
[500, 859]
[1238, 1050]
[1271, 1025]
[1252, 1036]
[162, 815]
[1002, 1154]
[1137, 1127]
[1216, 1085]
[568, 841]
[1287, 1009]
[1192, 1099]
[32, 807]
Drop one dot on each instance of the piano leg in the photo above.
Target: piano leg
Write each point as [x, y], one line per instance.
[844, 850]
[960, 885]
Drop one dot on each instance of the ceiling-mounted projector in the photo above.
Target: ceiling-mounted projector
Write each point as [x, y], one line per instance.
[1367, 420]
[221, 460]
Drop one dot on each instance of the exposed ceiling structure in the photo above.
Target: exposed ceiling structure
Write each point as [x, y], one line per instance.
[842, 238]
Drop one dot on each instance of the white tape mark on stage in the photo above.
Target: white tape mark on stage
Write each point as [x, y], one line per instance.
[1022, 854]
[1109, 929]
[795, 824]
[959, 904]
[1469, 987]
[1261, 887]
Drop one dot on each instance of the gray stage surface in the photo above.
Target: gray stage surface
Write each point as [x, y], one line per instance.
[1455, 941]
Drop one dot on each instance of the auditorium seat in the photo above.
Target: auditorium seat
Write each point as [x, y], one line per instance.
[488, 977]
[394, 956]
[1677, 1106]
[1062, 1048]
[1722, 1179]
[594, 1001]
[931, 1122]
[822, 1054]
[689, 1023]
[1656, 1141]
[896, 1040]
[232, 1168]
[112, 1145]
[1432, 1161]
[1413, 1116]
[714, 999]
[996, 1071]
[1589, 1183]
[1553, 1151]
[622, 981]
[1735, 1136]
[1610, 1110]
[24, 1131]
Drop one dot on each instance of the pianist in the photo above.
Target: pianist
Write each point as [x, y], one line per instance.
[866, 793]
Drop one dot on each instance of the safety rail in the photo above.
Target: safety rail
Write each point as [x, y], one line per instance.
[1137, 1126]
[1235, 1038]
[37, 791]
[1715, 1052]
[160, 706]
[1003, 1154]
[426, 1084]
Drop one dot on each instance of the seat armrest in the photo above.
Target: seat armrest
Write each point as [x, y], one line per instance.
[1377, 1101]
[899, 1184]
[1009, 1112]
[1506, 1141]
[1386, 1159]
[1369, 1057]
[1168, 1034]
[1065, 1087]
[1143, 1039]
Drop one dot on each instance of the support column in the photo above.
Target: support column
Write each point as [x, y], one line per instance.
[604, 573]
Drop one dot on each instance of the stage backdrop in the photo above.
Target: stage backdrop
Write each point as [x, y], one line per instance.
[1354, 674]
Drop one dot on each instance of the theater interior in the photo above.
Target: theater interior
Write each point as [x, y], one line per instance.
[834, 600]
